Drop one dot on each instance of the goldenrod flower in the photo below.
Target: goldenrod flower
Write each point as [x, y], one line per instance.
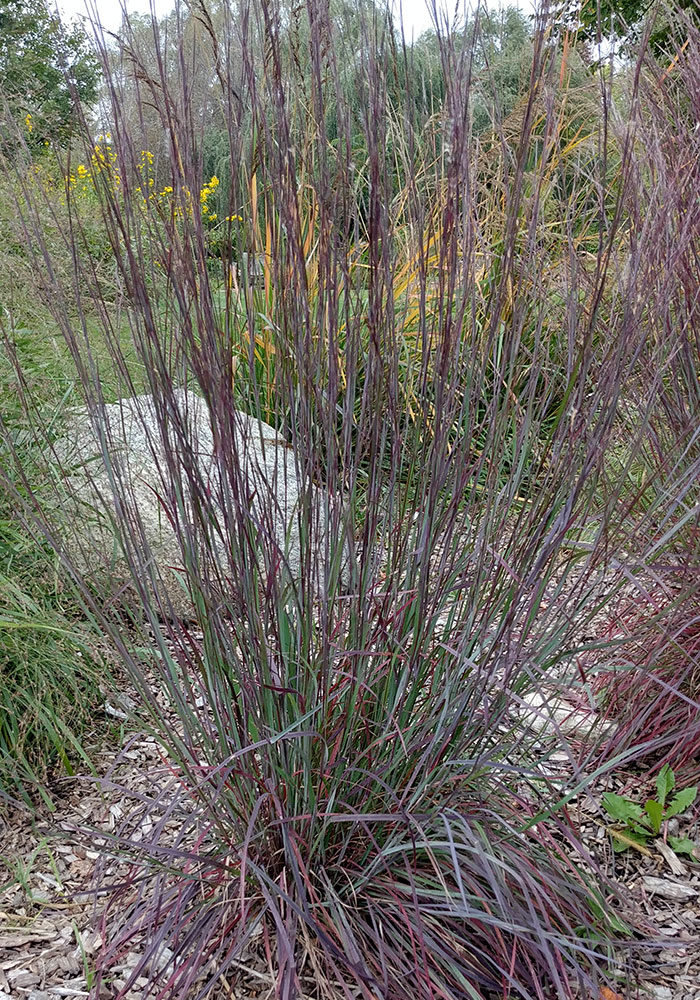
[28, 122]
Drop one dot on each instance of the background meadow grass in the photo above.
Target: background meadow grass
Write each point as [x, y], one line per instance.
[476, 326]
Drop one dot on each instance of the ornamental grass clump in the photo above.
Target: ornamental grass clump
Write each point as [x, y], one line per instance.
[348, 787]
[650, 675]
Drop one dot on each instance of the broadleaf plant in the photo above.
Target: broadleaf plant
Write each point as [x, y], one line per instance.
[640, 824]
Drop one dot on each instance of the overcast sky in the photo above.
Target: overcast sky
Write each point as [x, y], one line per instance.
[416, 16]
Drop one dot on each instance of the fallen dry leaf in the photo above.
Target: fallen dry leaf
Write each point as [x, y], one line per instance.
[608, 994]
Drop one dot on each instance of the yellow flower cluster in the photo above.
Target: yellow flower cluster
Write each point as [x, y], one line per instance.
[29, 123]
[102, 158]
[103, 162]
[204, 195]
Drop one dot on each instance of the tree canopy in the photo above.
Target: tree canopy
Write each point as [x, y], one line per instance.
[42, 65]
[624, 18]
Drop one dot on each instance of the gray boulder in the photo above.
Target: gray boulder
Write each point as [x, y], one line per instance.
[156, 501]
